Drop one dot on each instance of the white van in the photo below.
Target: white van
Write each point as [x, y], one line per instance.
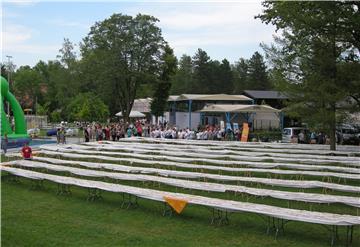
[347, 134]
[292, 132]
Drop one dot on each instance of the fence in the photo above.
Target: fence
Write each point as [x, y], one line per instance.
[34, 121]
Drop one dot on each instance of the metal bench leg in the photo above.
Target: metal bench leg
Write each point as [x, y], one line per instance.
[349, 235]
[333, 235]
[167, 210]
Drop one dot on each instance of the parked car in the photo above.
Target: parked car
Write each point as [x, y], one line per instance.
[289, 133]
[68, 132]
[51, 132]
[33, 132]
[71, 132]
[347, 134]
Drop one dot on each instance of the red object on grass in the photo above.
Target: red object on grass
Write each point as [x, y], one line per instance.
[26, 152]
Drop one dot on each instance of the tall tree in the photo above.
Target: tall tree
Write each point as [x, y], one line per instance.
[320, 40]
[121, 53]
[4, 71]
[161, 95]
[257, 74]
[240, 71]
[183, 79]
[26, 86]
[202, 75]
[225, 78]
[71, 78]
[58, 85]
[201, 65]
[67, 54]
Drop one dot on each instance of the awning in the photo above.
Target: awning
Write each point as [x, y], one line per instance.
[238, 108]
[205, 97]
[133, 114]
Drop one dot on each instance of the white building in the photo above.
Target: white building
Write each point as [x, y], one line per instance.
[189, 110]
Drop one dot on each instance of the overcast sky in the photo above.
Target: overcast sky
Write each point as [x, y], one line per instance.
[34, 30]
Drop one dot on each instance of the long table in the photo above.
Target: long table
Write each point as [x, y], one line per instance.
[71, 153]
[302, 184]
[213, 187]
[272, 212]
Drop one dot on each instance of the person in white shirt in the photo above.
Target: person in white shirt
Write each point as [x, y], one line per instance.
[301, 137]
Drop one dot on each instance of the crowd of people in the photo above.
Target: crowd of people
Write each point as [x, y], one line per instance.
[315, 138]
[204, 133]
[116, 131]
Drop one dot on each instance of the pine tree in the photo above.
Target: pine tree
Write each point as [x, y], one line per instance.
[257, 75]
[319, 44]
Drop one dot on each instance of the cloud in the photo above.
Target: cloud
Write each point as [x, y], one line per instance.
[22, 3]
[15, 34]
[17, 38]
[210, 16]
[219, 27]
[193, 25]
[8, 14]
[65, 23]
[222, 38]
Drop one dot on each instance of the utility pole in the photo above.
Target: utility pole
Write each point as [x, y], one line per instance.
[9, 80]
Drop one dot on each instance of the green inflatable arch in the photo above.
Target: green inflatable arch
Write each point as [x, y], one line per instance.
[19, 134]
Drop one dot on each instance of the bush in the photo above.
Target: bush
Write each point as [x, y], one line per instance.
[87, 107]
[55, 116]
[267, 135]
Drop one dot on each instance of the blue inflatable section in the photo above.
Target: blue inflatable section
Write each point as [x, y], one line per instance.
[16, 142]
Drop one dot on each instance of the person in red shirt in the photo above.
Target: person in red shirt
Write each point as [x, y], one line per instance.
[26, 152]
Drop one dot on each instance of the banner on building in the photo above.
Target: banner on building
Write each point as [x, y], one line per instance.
[245, 132]
[228, 126]
[222, 125]
[236, 126]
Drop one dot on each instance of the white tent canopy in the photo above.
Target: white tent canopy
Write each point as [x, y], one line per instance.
[207, 97]
[238, 108]
[133, 114]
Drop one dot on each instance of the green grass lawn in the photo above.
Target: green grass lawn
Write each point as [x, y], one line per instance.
[41, 218]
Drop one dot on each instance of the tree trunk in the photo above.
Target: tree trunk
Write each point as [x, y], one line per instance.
[333, 77]
[333, 130]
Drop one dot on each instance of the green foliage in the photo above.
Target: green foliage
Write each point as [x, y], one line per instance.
[55, 116]
[123, 58]
[202, 75]
[67, 55]
[159, 102]
[310, 61]
[251, 74]
[182, 81]
[161, 93]
[58, 84]
[121, 53]
[87, 107]
[240, 70]
[225, 78]
[202, 72]
[257, 76]
[26, 86]
[267, 135]
[42, 109]
[4, 71]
